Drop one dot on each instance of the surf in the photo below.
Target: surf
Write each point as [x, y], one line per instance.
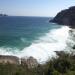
[44, 47]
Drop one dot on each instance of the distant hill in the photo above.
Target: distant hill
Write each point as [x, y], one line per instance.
[65, 17]
[3, 15]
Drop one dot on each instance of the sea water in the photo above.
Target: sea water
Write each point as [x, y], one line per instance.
[31, 36]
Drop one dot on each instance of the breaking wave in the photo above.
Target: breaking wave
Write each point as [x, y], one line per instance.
[44, 47]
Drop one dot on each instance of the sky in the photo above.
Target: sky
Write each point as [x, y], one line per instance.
[47, 8]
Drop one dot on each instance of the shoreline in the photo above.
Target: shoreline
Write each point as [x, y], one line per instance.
[16, 60]
[10, 59]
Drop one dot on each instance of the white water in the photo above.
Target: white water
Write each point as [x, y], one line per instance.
[43, 48]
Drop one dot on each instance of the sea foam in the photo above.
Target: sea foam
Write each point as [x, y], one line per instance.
[44, 47]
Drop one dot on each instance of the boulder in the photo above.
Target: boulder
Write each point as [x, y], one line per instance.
[9, 59]
[29, 62]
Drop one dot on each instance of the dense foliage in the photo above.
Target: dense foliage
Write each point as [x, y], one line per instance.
[63, 65]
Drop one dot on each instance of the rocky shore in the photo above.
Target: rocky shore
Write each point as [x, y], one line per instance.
[29, 62]
[67, 17]
[9, 59]
[64, 64]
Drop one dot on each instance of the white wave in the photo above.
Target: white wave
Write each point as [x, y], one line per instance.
[43, 48]
[9, 51]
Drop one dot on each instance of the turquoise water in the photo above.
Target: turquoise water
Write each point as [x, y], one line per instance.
[20, 32]
[31, 36]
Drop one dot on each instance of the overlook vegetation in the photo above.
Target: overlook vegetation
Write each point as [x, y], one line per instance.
[63, 65]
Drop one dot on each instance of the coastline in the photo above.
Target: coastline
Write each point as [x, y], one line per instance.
[9, 59]
[17, 59]
[70, 40]
[62, 65]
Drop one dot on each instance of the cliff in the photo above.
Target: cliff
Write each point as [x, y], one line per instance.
[65, 17]
[9, 59]
[29, 62]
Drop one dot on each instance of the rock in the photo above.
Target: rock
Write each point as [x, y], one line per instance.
[29, 62]
[9, 59]
[65, 17]
[60, 53]
[3, 15]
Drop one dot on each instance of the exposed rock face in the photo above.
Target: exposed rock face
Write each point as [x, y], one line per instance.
[65, 17]
[60, 53]
[30, 62]
[71, 41]
[9, 59]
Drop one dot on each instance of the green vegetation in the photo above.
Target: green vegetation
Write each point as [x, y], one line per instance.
[63, 65]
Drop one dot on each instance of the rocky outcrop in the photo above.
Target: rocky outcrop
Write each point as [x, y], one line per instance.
[30, 62]
[65, 17]
[60, 53]
[9, 59]
[3, 15]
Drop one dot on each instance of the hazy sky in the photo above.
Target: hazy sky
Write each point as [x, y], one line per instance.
[34, 7]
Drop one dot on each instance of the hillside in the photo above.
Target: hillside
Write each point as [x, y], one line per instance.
[65, 17]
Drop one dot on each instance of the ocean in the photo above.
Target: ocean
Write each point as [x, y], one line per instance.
[31, 36]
